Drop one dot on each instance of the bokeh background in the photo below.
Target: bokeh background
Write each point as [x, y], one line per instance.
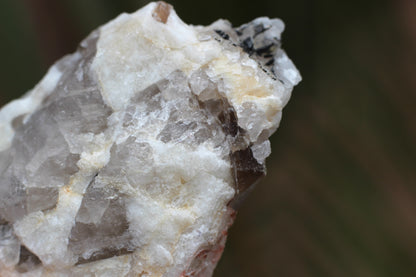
[340, 195]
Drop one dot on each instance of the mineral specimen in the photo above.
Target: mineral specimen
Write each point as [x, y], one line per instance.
[131, 155]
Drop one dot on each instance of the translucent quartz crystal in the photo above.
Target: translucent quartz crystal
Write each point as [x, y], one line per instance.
[130, 157]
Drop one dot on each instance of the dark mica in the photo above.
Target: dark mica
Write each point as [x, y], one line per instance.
[222, 34]
[265, 50]
[255, 41]
[258, 29]
[247, 46]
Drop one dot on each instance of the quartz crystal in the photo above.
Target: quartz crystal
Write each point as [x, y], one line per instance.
[131, 155]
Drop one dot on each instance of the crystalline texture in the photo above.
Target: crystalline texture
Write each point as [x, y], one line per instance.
[130, 157]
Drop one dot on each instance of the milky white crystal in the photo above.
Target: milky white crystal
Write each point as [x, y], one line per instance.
[131, 155]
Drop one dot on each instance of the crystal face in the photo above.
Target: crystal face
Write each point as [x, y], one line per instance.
[130, 157]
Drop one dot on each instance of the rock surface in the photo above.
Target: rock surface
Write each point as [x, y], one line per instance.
[131, 155]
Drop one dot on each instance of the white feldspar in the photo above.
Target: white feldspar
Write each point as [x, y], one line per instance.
[131, 155]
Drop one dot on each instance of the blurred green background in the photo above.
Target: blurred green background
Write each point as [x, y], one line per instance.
[340, 195]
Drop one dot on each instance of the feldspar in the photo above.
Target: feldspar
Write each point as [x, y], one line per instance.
[131, 155]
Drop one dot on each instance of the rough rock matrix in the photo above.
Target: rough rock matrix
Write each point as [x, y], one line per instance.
[131, 155]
